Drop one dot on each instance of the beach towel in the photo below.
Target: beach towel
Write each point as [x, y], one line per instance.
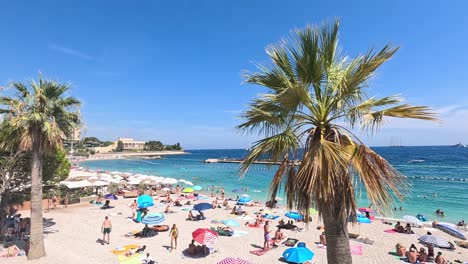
[133, 259]
[259, 252]
[239, 233]
[122, 250]
[390, 231]
[356, 250]
[290, 242]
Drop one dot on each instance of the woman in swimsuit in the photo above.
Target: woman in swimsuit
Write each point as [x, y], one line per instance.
[174, 233]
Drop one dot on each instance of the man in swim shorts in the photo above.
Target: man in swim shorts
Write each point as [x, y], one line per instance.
[106, 228]
[266, 235]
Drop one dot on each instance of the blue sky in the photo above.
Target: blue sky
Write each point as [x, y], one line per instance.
[171, 70]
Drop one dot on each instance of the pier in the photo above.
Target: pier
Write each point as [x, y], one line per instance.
[227, 160]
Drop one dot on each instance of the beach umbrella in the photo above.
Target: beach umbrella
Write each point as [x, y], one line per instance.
[230, 222]
[294, 215]
[244, 200]
[153, 219]
[190, 196]
[233, 261]
[93, 177]
[115, 172]
[365, 210]
[180, 198]
[189, 183]
[237, 190]
[202, 206]
[412, 220]
[197, 188]
[435, 240]
[100, 183]
[110, 196]
[245, 195]
[187, 190]
[166, 189]
[145, 201]
[205, 236]
[298, 254]
[126, 173]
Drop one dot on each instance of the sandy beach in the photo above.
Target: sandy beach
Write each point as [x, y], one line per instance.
[72, 235]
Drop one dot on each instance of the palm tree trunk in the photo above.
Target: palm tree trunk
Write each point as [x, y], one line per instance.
[36, 247]
[336, 233]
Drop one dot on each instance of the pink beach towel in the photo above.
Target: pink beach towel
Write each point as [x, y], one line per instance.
[390, 231]
[356, 250]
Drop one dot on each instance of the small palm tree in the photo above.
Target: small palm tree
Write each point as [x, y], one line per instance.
[316, 97]
[38, 117]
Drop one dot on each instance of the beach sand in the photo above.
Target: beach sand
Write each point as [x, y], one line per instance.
[72, 239]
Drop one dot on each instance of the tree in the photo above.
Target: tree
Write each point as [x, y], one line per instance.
[120, 146]
[316, 97]
[154, 145]
[39, 117]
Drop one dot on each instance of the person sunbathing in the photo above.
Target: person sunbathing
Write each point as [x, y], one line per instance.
[168, 210]
[412, 255]
[225, 228]
[399, 228]
[191, 217]
[234, 210]
[422, 255]
[200, 216]
[177, 203]
[279, 235]
[281, 222]
[408, 229]
[106, 205]
[192, 248]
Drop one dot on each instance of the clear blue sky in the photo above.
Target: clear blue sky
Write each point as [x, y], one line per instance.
[171, 70]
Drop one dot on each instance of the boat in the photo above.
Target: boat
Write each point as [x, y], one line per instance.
[451, 230]
[459, 145]
[416, 161]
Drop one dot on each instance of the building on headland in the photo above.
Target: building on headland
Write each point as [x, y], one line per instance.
[130, 144]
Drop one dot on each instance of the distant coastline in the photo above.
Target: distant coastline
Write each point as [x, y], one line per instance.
[129, 155]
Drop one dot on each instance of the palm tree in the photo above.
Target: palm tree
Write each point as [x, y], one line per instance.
[316, 98]
[39, 117]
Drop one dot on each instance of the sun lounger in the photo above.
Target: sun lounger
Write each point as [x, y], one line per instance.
[290, 242]
[463, 244]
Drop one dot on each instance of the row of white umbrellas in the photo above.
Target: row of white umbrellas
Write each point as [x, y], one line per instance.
[104, 179]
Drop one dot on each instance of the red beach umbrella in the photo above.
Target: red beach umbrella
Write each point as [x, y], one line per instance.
[233, 261]
[205, 236]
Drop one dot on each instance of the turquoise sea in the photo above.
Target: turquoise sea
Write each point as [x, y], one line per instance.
[438, 174]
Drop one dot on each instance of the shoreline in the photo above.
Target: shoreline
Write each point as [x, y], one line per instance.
[128, 155]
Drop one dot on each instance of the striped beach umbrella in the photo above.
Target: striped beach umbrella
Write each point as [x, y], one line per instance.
[205, 236]
[233, 261]
[412, 220]
[153, 219]
[435, 240]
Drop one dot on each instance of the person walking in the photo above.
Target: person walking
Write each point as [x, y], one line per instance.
[222, 193]
[106, 228]
[266, 236]
[174, 233]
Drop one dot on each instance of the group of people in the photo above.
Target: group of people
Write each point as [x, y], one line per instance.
[406, 229]
[238, 210]
[415, 256]
[198, 217]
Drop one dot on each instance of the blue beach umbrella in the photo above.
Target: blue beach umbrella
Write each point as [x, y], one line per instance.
[244, 200]
[202, 206]
[294, 215]
[153, 219]
[197, 188]
[145, 201]
[230, 222]
[111, 196]
[298, 254]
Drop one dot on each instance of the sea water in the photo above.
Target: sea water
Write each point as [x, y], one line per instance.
[438, 176]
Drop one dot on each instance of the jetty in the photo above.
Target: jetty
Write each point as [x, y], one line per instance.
[228, 160]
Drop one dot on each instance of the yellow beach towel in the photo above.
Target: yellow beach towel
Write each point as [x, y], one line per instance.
[123, 249]
[133, 259]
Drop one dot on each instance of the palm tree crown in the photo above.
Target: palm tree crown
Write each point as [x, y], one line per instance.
[316, 97]
[40, 114]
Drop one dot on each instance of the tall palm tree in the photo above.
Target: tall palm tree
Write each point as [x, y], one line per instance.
[316, 98]
[38, 117]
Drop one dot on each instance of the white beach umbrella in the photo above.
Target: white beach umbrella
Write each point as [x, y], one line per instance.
[105, 175]
[245, 195]
[134, 182]
[126, 173]
[189, 183]
[76, 184]
[100, 183]
[115, 172]
[93, 177]
[412, 220]
[118, 177]
[171, 180]
[166, 189]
